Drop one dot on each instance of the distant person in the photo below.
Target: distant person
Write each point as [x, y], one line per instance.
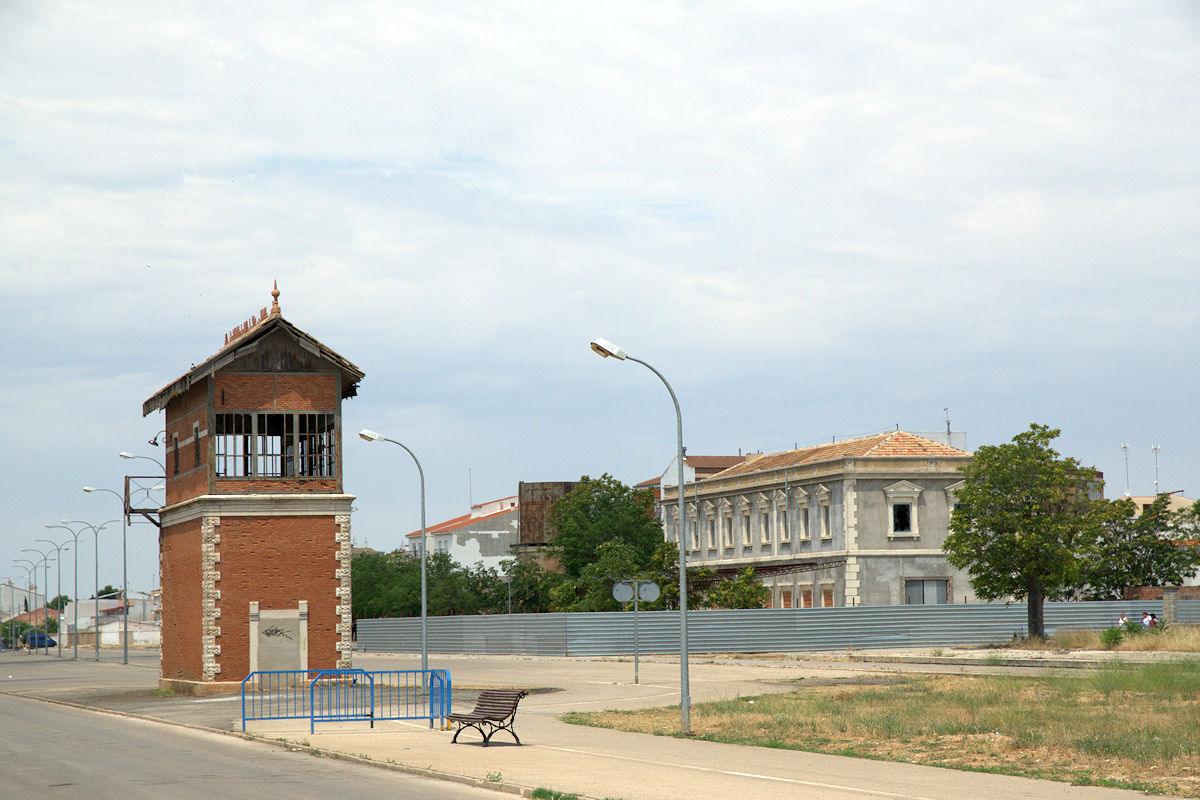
[1121, 622]
[1153, 621]
[1145, 619]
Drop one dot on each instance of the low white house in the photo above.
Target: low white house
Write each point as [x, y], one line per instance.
[486, 535]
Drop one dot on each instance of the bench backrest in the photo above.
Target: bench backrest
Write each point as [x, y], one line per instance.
[498, 701]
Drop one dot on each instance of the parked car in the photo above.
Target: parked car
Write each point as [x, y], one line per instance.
[36, 639]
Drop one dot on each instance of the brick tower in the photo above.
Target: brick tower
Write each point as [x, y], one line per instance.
[255, 531]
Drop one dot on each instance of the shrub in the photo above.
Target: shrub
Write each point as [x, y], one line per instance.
[1111, 637]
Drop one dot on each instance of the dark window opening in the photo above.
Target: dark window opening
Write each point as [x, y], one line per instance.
[275, 445]
[902, 518]
[918, 593]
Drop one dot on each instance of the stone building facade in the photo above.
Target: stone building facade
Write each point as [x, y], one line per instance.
[255, 529]
[857, 522]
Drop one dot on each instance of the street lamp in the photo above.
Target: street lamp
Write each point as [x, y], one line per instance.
[372, 436]
[58, 564]
[124, 574]
[30, 582]
[605, 349]
[125, 455]
[45, 598]
[96, 538]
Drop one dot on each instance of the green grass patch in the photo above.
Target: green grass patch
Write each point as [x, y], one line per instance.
[1135, 727]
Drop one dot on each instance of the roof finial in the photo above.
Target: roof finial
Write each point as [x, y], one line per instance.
[275, 312]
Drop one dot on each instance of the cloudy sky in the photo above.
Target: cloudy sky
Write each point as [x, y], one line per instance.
[817, 220]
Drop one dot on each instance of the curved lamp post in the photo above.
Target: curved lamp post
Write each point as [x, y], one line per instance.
[605, 349]
[58, 564]
[45, 596]
[124, 575]
[372, 436]
[161, 466]
[30, 574]
[96, 538]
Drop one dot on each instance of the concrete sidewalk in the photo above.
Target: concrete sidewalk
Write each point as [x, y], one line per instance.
[594, 763]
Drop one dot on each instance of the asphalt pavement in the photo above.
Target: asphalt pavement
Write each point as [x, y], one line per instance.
[591, 762]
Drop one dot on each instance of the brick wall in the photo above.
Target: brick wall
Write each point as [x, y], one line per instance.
[179, 562]
[185, 414]
[248, 391]
[271, 485]
[278, 561]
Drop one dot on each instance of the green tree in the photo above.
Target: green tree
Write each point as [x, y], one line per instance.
[601, 510]
[1130, 550]
[745, 590]
[529, 583]
[60, 602]
[1020, 516]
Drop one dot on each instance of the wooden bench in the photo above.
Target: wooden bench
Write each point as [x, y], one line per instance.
[495, 710]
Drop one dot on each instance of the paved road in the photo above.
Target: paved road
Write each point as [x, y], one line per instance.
[52, 751]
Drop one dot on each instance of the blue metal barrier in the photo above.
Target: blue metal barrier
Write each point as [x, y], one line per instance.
[346, 694]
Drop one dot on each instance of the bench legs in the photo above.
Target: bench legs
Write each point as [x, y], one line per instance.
[493, 727]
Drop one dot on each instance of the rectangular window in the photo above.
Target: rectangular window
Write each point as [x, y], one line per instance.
[175, 447]
[727, 533]
[746, 540]
[826, 528]
[827, 596]
[196, 442]
[785, 598]
[764, 522]
[918, 593]
[712, 534]
[275, 445]
[806, 597]
[805, 533]
[785, 533]
[901, 518]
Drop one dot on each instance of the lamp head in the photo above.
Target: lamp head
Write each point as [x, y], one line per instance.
[605, 348]
[371, 436]
[89, 488]
[123, 454]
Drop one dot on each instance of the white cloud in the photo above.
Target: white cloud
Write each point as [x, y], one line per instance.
[818, 219]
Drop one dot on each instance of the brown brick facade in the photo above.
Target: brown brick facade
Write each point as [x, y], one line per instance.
[274, 541]
[276, 562]
[180, 568]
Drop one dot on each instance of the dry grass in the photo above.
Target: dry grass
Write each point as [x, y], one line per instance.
[1176, 638]
[1136, 728]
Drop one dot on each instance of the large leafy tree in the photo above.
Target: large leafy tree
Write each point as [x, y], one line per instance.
[1021, 515]
[600, 510]
[1130, 549]
[745, 590]
[529, 585]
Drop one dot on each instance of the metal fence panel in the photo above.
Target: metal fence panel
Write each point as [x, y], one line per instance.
[346, 694]
[745, 631]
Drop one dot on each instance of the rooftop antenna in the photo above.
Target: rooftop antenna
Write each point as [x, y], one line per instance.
[1154, 447]
[947, 421]
[1125, 447]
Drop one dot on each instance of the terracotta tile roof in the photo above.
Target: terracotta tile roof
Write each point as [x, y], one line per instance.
[711, 462]
[882, 445]
[460, 522]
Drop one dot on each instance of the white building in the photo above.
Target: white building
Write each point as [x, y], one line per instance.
[486, 535]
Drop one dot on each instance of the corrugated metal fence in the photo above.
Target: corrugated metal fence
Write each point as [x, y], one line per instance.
[749, 631]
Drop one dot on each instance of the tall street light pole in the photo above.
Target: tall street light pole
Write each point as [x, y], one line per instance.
[45, 597]
[372, 436]
[124, 573]
[58, 548]
[30, 580]
[96, 538]
[12, 598]
[605, 348]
